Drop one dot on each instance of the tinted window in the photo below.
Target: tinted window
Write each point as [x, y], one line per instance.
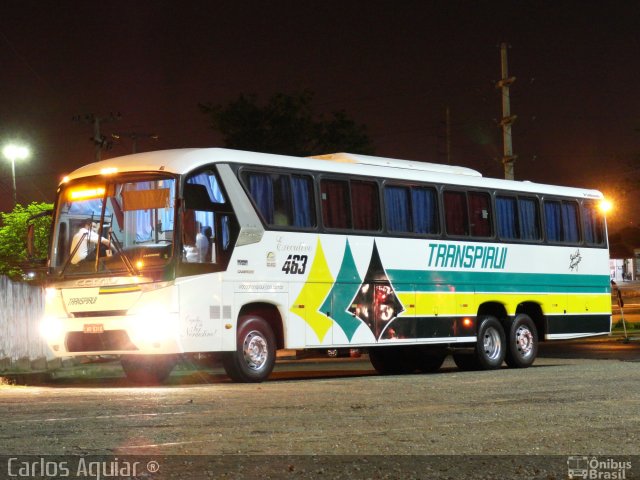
[283, 199]
[561, 221]
[593, 223]
[365, 205]
[336, 207]
[455, 213]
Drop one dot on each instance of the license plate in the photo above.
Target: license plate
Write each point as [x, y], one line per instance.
[93, 328]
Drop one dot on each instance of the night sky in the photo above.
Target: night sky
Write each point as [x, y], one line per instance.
[394, 66]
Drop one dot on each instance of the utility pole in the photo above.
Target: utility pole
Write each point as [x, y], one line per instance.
[508, 158]
[99, 140]
[448, 134]
[134, 136]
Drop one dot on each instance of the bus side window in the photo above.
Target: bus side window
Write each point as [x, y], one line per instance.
[561, 221]
[365, 205]
[455, 213]
[529, 218]
[282, 200]
[593, 223]
[507, 217]
[479, 214]
[336, 204]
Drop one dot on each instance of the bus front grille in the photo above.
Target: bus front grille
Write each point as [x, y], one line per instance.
[110, 340]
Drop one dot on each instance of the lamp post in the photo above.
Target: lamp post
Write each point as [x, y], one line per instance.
[13, 153]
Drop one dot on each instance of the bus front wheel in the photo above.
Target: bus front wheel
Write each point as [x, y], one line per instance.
[523, 342]
[255, 354]
[148, 369]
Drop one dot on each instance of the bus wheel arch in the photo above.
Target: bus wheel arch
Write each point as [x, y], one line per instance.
[258, 336]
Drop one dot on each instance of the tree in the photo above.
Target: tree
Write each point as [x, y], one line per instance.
[286, 125]
[13, 237]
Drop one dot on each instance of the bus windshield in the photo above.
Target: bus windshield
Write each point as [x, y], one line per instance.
[114, 225]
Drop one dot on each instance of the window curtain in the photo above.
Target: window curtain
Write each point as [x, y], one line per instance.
[425, 210]
[364, 198]
[303, 212]
[506, 216]
[593, 228]
[528, 216]
[261, 190]
[553, 221]
[142, 219]
[210, 182]
[335, 204]
[455, 212]
[397, 208]
[166, 215]
[480, 214]
[570, 230]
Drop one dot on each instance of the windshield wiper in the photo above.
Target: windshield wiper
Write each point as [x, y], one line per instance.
[72, 254]
[123, 256]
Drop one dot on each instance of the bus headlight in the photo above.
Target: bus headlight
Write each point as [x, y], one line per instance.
[51, 329]
[153, 325]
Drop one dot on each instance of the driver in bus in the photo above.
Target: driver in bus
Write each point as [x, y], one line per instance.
[87, 238]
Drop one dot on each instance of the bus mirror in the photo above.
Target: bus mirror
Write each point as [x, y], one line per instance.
[196, 197]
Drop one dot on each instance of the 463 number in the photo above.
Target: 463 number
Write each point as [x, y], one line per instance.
[295, 264]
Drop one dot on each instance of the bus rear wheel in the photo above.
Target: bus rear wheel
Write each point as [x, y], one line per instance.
[255, 354]
[148, 369]
[523, 342]
[489, 351]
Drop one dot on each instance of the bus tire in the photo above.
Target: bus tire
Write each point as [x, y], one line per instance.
[255, 354]
[389, 360]
[522, 346]
[490, 348]
[148, 369]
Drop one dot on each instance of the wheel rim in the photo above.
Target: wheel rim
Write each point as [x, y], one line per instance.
[524, 341]
[492, 343]
[255, 350]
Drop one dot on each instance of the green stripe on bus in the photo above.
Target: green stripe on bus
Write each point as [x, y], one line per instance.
[435, 281]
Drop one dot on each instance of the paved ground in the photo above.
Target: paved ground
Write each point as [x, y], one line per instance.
[558, 408]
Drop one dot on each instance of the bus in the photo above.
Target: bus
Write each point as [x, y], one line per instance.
[169, 255]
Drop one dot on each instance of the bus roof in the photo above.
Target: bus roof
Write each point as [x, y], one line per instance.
[181, 161]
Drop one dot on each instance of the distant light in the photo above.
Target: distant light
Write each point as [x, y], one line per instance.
[15, 152]
[605, 206]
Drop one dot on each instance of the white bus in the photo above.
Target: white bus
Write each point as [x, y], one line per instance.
[164, 255]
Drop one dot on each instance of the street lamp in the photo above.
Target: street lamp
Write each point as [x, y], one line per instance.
[13, 153]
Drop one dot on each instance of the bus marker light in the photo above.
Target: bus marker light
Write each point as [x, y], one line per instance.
[228, 326]
[467, 322]
[87, 193]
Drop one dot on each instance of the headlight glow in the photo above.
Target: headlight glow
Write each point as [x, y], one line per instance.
[153, 324]
[51, 329]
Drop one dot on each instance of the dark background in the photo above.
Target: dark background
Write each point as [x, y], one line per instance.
[393, 65]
